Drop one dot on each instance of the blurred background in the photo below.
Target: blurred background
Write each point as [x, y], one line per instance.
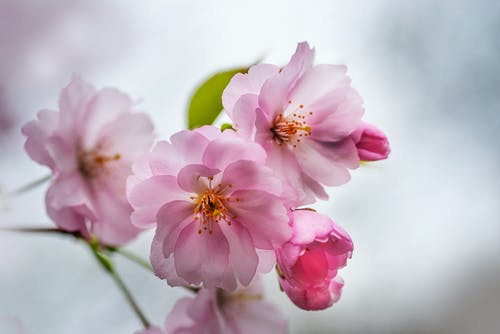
[425, 223]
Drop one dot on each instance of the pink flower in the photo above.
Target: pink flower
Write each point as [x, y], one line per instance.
[216, 311]
[309, 262]
[90, 144]
[218, 209]
[303, 116]
[372, 144]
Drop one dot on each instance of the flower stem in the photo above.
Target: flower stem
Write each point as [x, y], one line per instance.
[119, 282]
[134, 258]
[29, 186]
[105, 261]
[95, 248]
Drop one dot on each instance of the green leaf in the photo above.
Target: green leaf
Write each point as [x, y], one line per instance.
[206, 102]
[226, 126]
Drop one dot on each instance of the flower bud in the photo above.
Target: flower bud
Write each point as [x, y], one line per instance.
[309, 262]
[372, 144]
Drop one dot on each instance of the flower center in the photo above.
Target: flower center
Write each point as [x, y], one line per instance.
[292, 128]
[92, 163]
[210, 207]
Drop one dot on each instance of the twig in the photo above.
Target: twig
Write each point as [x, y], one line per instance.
[29, 186]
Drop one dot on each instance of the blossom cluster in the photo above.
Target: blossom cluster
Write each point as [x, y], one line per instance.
[227, 205]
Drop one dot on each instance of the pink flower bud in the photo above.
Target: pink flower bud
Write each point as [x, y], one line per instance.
[372, 144]
[309, 262]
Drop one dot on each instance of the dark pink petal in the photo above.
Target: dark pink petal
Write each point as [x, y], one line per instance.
[311, 299]
[372, 144]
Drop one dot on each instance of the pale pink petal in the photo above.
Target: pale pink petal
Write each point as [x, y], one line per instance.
[130, 135]
[105, 106]
[249, 83]
[327, 162]
[37, 133]
[210, 132]
[257, 317]
[201, 257]
[68, 189]
[336, 115]
[172, 218]
[307, 227]
[149, 195]
[274, 95]
[244, 114]
[242, 253]
[263, 215]
[72, 104]
[267, 260]
[112, 224]
[189, 177]
[186, 147]
[178, 319]
[67, 218]
[228, 149]
[300, 62]
[318, 82]
[246, 174]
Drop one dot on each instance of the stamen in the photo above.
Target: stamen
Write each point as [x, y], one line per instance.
[288, 129]
[210, 207]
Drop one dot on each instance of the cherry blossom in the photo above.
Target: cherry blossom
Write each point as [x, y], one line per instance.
[218, 210]
[309, 262]
[216, 311]
[303, 116]
[372, 144]
[90, 145]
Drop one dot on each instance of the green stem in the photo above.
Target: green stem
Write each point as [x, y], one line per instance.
[143, 263]
[134, 258]
[29, 186]
[119, 282]
[105, 261]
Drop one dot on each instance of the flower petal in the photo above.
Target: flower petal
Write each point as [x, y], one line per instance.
[149, 195]
[201, 257]
[249, 83]
[263, 215]
[242, 253]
